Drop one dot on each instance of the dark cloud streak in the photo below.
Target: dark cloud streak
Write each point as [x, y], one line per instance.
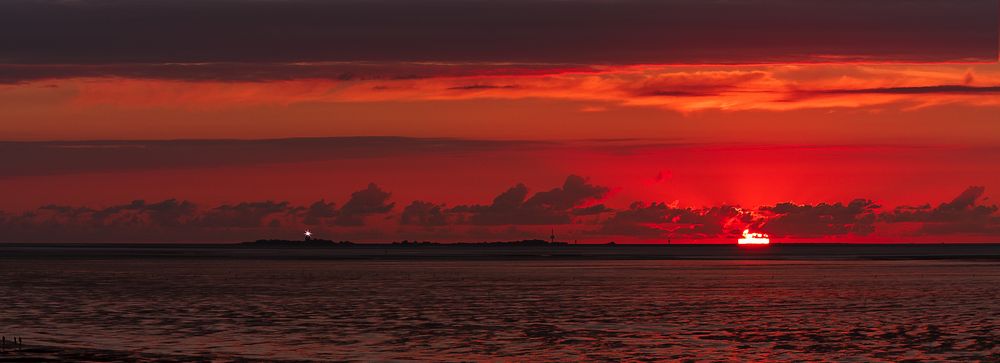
[68, 157]
[942, 89]
[247, 71]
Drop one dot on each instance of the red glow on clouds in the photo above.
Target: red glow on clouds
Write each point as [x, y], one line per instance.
[850, 128]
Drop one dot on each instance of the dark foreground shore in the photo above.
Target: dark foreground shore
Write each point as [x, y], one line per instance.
[39, 353]
[104, 309]
[42, 353]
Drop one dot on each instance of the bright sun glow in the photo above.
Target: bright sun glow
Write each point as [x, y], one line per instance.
[754, 238]
[308, 234]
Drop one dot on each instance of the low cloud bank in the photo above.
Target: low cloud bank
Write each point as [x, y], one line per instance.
[370, 214]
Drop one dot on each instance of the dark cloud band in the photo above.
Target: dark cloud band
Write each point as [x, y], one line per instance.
[576, 31]
[265, 71]
[68, 157]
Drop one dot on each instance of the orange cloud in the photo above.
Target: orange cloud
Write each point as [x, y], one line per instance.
[679, 88]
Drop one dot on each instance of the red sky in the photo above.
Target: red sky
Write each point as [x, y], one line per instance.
[634, 131]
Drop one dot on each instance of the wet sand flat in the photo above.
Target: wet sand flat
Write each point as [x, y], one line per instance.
[181, 309]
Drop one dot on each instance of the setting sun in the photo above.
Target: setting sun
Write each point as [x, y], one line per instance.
[753, 238]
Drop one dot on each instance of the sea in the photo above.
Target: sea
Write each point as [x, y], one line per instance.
[603, 303]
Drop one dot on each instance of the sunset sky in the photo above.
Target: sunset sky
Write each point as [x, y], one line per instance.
[469, 120]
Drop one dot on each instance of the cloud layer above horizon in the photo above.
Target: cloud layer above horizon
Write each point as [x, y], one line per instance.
[574, 209]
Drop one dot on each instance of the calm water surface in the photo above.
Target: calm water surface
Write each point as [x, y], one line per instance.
[510, 310]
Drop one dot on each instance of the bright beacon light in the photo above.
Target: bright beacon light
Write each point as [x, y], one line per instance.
[753, 238]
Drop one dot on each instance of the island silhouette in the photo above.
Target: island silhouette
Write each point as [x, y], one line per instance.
[309, 241]
[324, 243]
